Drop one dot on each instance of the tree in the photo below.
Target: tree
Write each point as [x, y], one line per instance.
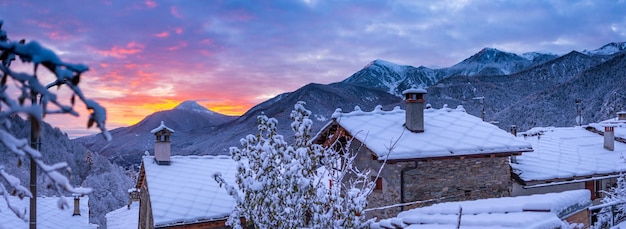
[297, 185]
[614, 204]
[42, 102]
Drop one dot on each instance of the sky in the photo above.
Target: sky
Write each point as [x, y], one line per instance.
[148, 56]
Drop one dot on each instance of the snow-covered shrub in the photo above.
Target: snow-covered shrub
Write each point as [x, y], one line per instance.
[33, 99]
[614, 203]
[298, 185]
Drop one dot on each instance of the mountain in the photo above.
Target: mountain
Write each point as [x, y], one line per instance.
[390, 77]
[532, 78]
[608, 49]
[130, 143]
[491, 61]
[600, 90]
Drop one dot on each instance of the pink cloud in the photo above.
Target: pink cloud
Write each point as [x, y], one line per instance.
[121, 52]
[163, 34]
[179, 30]
[175, 12]
[151, 4]
[180, 45]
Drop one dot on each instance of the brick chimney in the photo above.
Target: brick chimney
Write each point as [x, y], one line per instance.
[414, 99]
[609, 137]
[162, 144]
[76, 204]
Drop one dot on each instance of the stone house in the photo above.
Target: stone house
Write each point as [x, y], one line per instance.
[567, 158]
[179, 191]
[431, 155]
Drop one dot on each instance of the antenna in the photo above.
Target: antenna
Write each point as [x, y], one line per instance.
[579, 117]
[482, 103]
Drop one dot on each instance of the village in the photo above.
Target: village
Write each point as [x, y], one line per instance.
[472, 137]
[439, 168]
[448, 168]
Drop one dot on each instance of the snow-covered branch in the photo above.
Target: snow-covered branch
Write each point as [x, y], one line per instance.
[42, 102]
[297, 185]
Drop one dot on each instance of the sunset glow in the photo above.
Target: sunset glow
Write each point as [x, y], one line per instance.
[148, 56]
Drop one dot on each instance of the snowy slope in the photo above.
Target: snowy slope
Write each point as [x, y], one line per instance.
[608, 49]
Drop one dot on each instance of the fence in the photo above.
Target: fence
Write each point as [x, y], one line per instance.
[607, 215]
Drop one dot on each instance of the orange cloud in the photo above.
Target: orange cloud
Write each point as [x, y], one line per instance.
[121, 52]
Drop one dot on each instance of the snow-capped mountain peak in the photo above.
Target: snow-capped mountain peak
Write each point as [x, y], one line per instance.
[191, 105]
[387, 64]
[608, 49]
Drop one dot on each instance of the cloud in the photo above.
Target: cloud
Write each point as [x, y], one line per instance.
[151, 55]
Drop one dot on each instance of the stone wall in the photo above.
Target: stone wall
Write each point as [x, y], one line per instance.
[452, 179]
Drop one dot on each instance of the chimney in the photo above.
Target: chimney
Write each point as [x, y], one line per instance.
[609, 137]
[621, 115]
[514, 130]
[162, 144]
[414, 99]
[76, 204]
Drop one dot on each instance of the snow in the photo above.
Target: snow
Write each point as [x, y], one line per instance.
[161, 127]
[608, 49]
[414, 90]
[535, 211]
[184, 192]
[124, 217]
[567, 152]
[195, 107]
[394, 67]
[447, 132]
[48, 214]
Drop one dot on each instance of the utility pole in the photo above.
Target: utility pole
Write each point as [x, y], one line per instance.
[482, 103]
[34, 143]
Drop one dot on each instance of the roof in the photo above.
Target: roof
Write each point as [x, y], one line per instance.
[161, 127]
[567, 152]
[124, 217]
[185, 191]
[48, 214]
[535, 211]
[620, 126]
[447, 132]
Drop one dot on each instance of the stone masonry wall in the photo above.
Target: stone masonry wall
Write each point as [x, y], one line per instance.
[455, 179]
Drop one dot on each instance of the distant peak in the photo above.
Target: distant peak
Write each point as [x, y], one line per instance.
[191, 105]
[384, 63]
[608, 49]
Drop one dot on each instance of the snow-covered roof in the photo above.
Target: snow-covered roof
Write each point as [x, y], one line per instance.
[535, 211]
[161, 127]
[619, 130]
[567, 152]
[48, 214]
[447, 132]
[124, 217]
[185, 191]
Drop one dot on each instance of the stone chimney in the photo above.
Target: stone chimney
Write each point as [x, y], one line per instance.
[514, 130]
[76, 204]
[621, 116]
[609, 137]
[414, 99]
[162, 144]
